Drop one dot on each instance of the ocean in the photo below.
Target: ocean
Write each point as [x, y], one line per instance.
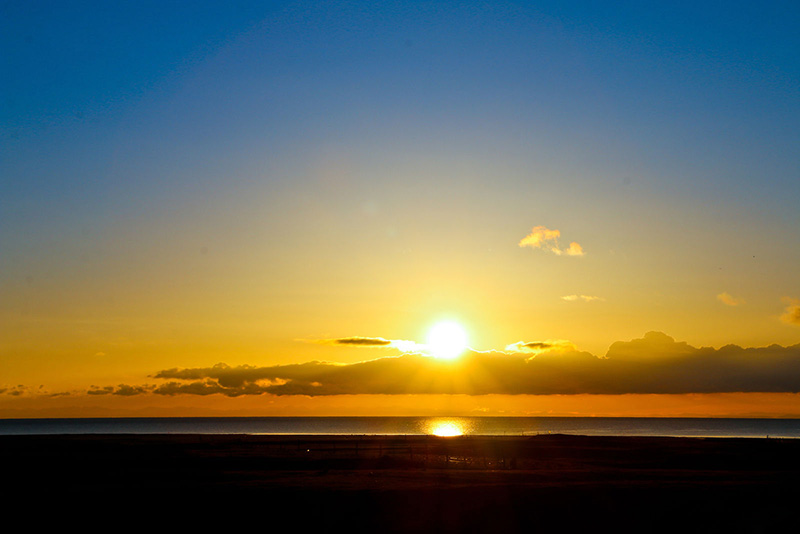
[444, 426]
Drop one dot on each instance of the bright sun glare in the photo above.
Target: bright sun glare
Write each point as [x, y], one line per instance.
[447, 340]
[446, 430]
[447, 427]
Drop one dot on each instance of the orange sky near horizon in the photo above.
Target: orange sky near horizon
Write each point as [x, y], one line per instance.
[769, 405]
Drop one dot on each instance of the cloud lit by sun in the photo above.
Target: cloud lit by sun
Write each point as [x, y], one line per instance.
[544, 238]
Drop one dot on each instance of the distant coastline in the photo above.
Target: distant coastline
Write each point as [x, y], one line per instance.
[478, 426]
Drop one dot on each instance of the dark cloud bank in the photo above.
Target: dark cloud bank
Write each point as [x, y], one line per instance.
[655, 363]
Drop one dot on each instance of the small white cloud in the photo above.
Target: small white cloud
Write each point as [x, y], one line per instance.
[729, 300]
[543, 238]
[574, 250]
[585, 298]
[791, 314]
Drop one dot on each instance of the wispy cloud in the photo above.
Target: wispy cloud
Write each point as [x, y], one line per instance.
[791, 314]
[543, 238]
[585, 298]
[357, 341]
[367, 342]
[729, 300]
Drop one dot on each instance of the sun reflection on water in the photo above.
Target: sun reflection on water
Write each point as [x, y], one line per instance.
[447, 427]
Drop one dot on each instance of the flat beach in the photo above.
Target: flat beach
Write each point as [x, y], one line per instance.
[411, 483]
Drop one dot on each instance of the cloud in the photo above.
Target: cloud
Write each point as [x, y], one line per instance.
[655, 363]
[122, 389]
[585, 298]
[792, 313]
[546, 239]
[15, 391]
[94, 390]
[211, 387]
[537, 347]
[127, 391]
[227, 376]
[359, 341]
[574, 250]
[729, 300]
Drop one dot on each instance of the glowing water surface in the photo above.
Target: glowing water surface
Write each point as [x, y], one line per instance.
[447, 427]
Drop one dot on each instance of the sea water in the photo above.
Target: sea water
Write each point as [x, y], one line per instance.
[484, 426]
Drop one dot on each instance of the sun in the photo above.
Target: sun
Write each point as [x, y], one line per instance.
[447, 340]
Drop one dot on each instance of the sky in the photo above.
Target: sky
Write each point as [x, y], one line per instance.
[263, 208]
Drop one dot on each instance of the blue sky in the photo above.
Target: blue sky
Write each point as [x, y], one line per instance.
[686, 87]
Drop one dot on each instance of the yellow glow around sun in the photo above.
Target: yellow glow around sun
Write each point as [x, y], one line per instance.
[447, 340]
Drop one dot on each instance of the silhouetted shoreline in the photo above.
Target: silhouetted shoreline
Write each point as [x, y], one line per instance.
[418, 483]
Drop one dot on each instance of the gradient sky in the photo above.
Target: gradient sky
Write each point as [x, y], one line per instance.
[184, 185]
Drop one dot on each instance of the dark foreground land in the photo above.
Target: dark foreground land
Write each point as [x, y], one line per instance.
[404, 484]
